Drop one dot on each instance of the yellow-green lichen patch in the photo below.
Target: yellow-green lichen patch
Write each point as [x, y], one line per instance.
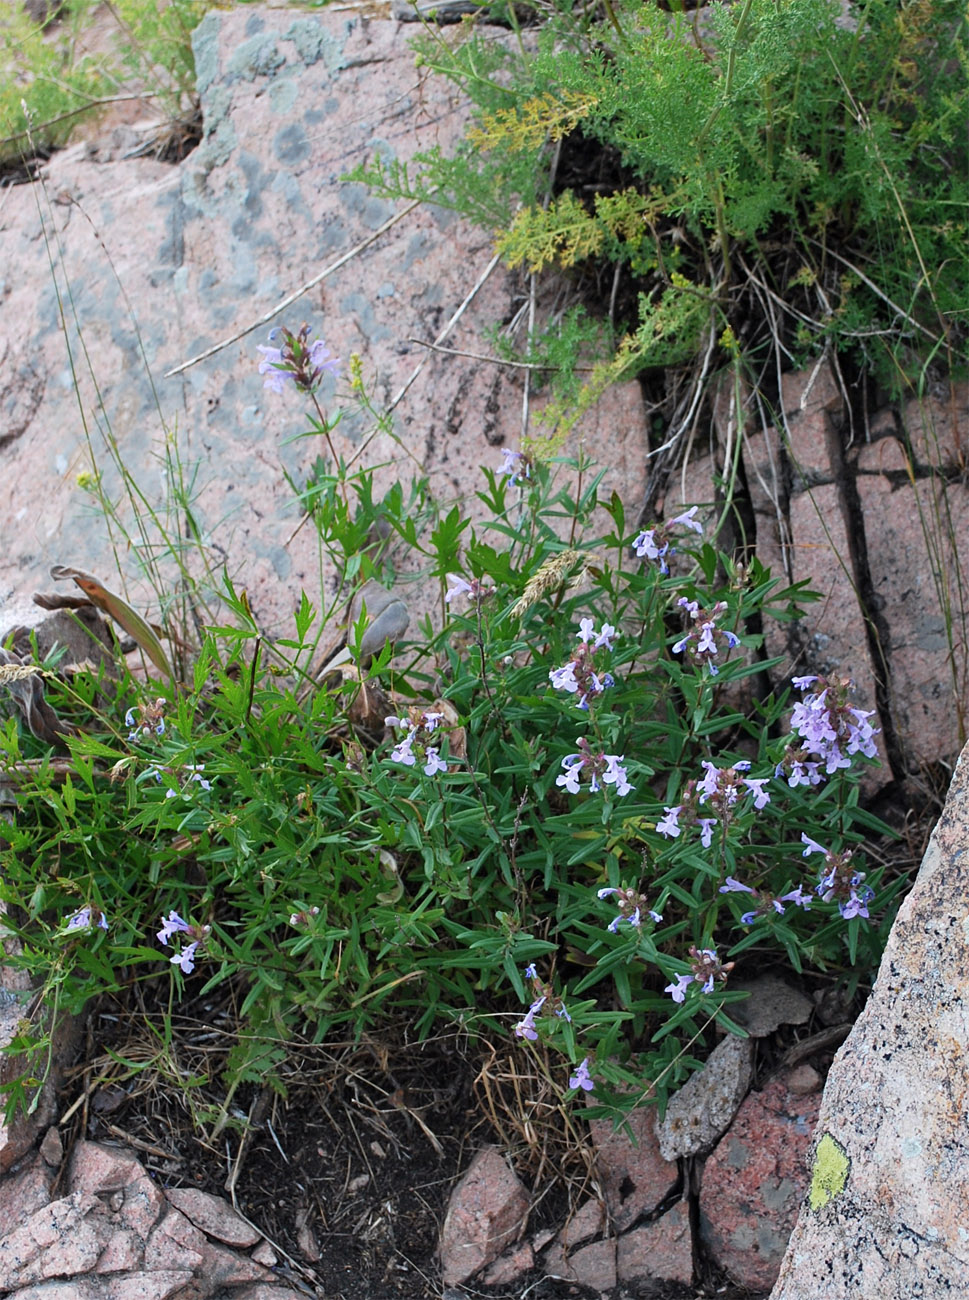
[830, 1173]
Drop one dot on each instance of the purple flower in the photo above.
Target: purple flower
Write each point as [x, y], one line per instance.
[812, 846]
[526, 1028]
[829, 727]
[615, 774]
[798, 897]
[756, 787]
[273, 367]
[706, 825]
[172, 924]
[85, 917]
[516, 465]
[185, 959]
[298, 361]
[677, 990]
[456, 586]
[603, 768]
[670, 824]
[705, 639]
[656, 543]
[530, 971]
[403, 752]
[434, 763]
[732, 886]
[748, 918]
[563, 679]
[573, 764]
[581, 1078]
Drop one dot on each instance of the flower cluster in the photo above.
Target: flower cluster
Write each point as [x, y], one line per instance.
[579, 676]
[706, 970]
[656, 543]
[720, 789]
[830, 731]
[516, 466]
[85, 917]
[705, 639]
[840, 883]
[298, 360]
[544, 1000]
[603, 769]
[766, 903]
[632, 908]
[197, 934]
[151, 721]
[417, 726]
[477, 589]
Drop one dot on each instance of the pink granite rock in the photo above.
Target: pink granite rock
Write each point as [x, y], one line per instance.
[57, 1241]
[213, 1216]
[486, 1214]
[659, 1251]
[510, 1266]
[754, 1181]
[593, 1265]
[23, 1190]
[291, 101]
[632, 1173]
[116, 1238]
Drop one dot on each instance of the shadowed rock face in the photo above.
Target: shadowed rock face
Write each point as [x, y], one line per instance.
[885, 1214]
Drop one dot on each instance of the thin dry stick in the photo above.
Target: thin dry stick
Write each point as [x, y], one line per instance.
[423, 362]
[403, 389]
[491, 361]
[293, 297]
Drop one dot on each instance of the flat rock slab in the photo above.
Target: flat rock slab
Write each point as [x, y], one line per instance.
[155, 263]
[885, 1214]
[700, 1113]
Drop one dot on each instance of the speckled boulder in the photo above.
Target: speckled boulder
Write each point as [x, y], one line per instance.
[885, 1214]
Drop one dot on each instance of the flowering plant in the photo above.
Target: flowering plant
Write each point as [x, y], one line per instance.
[552, 815]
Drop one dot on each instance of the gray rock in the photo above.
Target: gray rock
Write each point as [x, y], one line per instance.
[885, 1213]
[772, 1003]
[700, 1113]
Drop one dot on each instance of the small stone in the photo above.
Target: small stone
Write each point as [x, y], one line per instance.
[588, 1221]
[52, 1148]
[265, 1255]
[486, 1214]
[700, 1113]
[803, 1080]
[592, 1266]
[662, 1250]
[510, 1266]
[772, 1003]
[213, 1216]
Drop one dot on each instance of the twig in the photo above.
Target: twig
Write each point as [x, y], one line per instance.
[293, 297]
[420, 366]
[492, 361]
